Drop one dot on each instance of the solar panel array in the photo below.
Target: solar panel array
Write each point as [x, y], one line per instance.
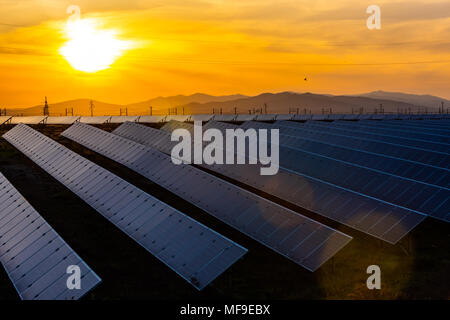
[380, 147]
[388, 180]
[195, 252]
[382, 220]
[34, 256]
[381, 129]
[305, 241]
[376, 136]
[400, 125]
[411, 170]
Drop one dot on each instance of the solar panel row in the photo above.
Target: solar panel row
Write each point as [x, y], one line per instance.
[34, 256]
[444, 130]
[322, 117]
[430, 158]
[381, 128]
[304, 241]
[377, 136]
[381, 220]
[378, 183]
[411, 170]
[195, 252]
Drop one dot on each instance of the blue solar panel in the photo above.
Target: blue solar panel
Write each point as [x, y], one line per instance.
[383, 128]
[304, 241]
[195, 252]
[404, 140]
[34, 256]
[332, 147]
[412, 150]
[386, 222]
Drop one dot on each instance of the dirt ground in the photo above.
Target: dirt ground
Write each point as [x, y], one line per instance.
[416, 268]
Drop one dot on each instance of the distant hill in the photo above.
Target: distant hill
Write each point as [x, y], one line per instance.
[82, 106]
[281, 102]
[415, 99]
[284, 101]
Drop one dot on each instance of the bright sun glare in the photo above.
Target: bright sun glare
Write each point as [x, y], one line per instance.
[90, 49]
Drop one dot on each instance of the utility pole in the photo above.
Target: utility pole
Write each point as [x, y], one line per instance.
[265, 108]
[151, 110]
[91, 107]
[235, 110]
[46, 113]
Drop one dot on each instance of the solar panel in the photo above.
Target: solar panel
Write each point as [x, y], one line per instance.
[382, 127]
[201, 117]
[122, 119]
[225, 117]
[441, 125]
[361, 134]
[95, 120]
[432, 158]
[304, 241]
[151, 119]
[61, 120]
[284, 116]
[387, 222]
[411, 170]
[28, 120]
[172, 125]
[4, 119]
[195, 252]
[407, 193]
[406, 126]
[244, 117]
[359, 127]
[34, 256]
[181, 118]
[265, 117]
[302, 117]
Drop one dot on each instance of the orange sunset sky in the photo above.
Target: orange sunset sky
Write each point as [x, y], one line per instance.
[169, 47]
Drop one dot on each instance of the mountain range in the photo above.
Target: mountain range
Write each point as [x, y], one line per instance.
[283, 102]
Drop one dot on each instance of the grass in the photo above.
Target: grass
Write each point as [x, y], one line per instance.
[415, 268]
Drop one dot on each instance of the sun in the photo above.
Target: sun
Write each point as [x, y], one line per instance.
[90, 49]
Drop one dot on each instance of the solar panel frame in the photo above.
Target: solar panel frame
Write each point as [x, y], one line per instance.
[201, 117]
[379, 129]
[122, 119]
[62, 120]
[28, 120]
[91, 178]
[32, 252]
[95, 119]
[151, 119]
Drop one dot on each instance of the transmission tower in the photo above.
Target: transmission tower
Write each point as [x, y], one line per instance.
[91, 106]
[46, 112]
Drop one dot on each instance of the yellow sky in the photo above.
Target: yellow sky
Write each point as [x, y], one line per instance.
[226, 47]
